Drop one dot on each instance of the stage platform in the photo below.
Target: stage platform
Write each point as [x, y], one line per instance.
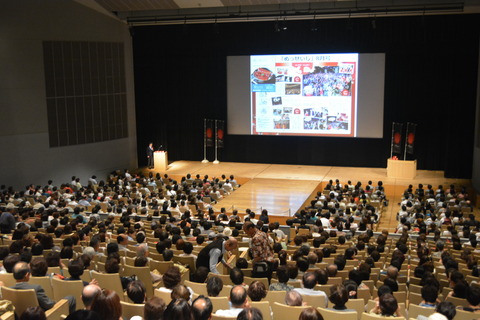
[284, 189]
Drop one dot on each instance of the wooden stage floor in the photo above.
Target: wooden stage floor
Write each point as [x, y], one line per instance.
[284, 189]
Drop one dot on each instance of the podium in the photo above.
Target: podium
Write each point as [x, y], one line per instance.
[401, 169]
[160, 160]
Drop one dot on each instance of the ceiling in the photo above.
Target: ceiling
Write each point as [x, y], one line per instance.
[150, 12]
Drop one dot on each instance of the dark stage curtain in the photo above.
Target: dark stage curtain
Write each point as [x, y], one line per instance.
[431, 72]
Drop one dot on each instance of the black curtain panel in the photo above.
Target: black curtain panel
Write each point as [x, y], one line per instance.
[430, 79]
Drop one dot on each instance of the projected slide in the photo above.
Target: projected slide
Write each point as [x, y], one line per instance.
[310, 94]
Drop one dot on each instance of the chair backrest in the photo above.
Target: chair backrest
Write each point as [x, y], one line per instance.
[364, 294]
[160, 266]
[415, 298]
[415, 310]
[130, 310]
[8, 316]
[334, 280]
[8, 279]
[264, 307]
[220, 303]
[216, 317]
[199, 288]
[275, 296]
[62, 288]
[225, 278]
[335, 315]
[21, 299]
[358, 305]
[415, 288]
[314, 301]
[284, 312]
[249, 280]
[369, 316]
[401, 296]
[143, 274]
[164, 295]
[186, 261]
[45, 283]
[109, 280]
[465, 315]
[457, 301]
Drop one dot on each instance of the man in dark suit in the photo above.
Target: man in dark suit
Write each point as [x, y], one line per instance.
[150, 155]
[21, 273]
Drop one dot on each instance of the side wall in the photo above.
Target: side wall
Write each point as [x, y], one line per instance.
[26, 154]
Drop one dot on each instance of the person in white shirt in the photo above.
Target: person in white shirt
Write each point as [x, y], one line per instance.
[238, 300]
[309, 282]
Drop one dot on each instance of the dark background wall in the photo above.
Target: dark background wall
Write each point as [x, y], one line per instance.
[431, 80]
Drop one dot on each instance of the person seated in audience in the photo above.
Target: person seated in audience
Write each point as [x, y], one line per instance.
[200, 275]
[168, 256]
[181, 292]
[107, 305]
[241, 263]
[339, 297]
[459, 290]
[282, 284]
[38, 267]
[443, 311]
[10, 261]
[473, 299]
[310, 314]
[309, 282]
[250, 314]
[238, 300]
[154, 309]
[387, 306]
[89, 293]
[293, 273]
[178, 309]
[302, 264]
[21, 273]
[257, 291]
[351, 287]
[294, 299]
[136, 292]
[332, 270]
[76, 269]
[143, 262]
[33, 313]
[236, 275]
[202, 308]
[429, 296]
[112, 265]
[214, 286]
[187, 251]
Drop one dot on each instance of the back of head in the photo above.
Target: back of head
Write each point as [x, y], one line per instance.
[202, 308]
[214, 286]
[238, 296]
[388, 304]
[154, 308]
[83, 315]
[178, 309]
[310, 314]
[20, 270]
[107, 305]
[338, 296]
[236, 275]
[171, 277]
[473, 295]
[33, 313]
[136, 291]
[309, 280]
[257, 291]
[250, 314]
[180, 292]
[447, 309]
[39, 267]
[293, 299]
[88, 294]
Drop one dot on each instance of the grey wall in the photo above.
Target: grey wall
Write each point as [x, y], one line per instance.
[476, 147]
[25, 153]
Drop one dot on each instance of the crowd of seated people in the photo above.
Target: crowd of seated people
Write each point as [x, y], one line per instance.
[325, 263]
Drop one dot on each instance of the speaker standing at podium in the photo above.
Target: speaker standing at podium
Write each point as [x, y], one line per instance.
[150, 155]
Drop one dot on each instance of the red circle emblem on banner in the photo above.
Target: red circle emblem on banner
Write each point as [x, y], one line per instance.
[220, 134]
[411, 138]
[397, 137]
[209, 133]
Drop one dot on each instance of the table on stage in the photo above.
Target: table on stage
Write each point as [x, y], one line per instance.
[160, 160]
[401, 169]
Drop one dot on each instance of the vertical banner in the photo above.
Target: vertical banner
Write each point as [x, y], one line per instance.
[397, 138]
[220, 124]
[410, 139]
[209, 132]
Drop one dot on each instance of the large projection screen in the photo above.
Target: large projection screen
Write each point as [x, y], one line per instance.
[338, 95]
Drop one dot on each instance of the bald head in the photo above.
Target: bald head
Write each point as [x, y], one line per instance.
[142, 250]
[293, 298]
[202, 308]
[231, 244]
[89, 293]
[21, 271]
[238, 297]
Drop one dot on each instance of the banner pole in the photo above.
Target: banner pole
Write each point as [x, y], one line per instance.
[216, 143]
[406, 141]
[205, 141]
[391, 142]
